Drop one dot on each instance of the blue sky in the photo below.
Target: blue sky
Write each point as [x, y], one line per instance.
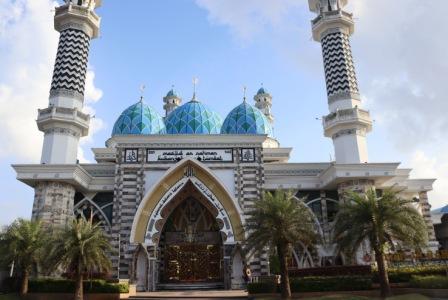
[228, 44]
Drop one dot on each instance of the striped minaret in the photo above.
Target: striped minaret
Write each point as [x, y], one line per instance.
[347, 123]
[63, 122]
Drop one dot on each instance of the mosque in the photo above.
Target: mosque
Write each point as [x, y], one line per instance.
[173, 191]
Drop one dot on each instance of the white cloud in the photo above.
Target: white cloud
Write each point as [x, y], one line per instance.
[400, 53]
[250, 17]
[28, 45]
[402, 63]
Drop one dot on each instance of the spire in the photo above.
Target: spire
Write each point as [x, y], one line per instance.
[195, 82]
[142, 90]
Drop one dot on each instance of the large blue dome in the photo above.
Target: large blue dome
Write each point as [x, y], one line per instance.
[246, 119]
[193, 118]
[139, 119]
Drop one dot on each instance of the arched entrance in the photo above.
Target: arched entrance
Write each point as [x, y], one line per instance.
[191, 243]
[189, 223]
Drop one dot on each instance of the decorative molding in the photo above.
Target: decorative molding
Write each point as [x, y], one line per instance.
[302, 172]
[360, 132]
[64, 131]
[67, 93]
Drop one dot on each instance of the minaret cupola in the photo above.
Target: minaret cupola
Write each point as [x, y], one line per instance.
[263, 101]
[171, 101]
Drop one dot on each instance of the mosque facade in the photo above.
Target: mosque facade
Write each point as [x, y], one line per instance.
[173, 190]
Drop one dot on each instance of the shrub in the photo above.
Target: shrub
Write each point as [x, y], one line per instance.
[10, 284]
[332, 271]
[429, 282]
[399, 275]
[68, 286]
[262, 287]
[324, 284]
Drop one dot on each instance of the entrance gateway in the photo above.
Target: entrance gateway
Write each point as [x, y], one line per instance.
[191, 235]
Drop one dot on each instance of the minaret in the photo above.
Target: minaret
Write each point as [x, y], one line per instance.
[347, 123]
[171, 101]
[263, 101]
[63, 122]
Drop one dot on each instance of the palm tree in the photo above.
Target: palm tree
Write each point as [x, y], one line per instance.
[81, 247]
[382, 221]
[278, 221]
[21, 244]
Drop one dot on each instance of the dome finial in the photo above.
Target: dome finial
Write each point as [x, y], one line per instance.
[142, 90]
[195, 82]
[244, 93]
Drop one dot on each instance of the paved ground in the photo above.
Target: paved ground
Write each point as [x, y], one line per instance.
[240, 295]
[234, 294]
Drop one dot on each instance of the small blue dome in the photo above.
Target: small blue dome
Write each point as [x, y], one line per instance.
[139, 119]
[261, 91]
[193, 118]
[172, 93]
[246, 119]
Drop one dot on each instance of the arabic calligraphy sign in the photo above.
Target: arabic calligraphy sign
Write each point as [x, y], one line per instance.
[204, 155]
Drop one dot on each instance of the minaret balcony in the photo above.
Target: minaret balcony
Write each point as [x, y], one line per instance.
[63, 115]
[346, 119]
[336, 19]
[77, 17]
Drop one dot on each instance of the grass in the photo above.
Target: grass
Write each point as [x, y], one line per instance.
[352, 297]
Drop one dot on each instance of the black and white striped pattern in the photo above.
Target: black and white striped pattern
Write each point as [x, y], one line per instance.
[71, 61]
[340, 72]
[249, 180]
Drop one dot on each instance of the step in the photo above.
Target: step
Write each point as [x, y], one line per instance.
[190, 286]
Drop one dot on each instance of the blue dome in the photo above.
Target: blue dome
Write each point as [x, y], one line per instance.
[139, 119]
[193, 118]
[246, 119]
[261, 91]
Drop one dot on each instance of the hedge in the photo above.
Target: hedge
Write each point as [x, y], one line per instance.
[332, 271]
[328, 284]
[429, 282]
[315, 284]
[262, 287]
[404, 274]
[68, 286]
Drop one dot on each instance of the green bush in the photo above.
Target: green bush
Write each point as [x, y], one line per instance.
[68, 286]
[336, 283]
[399, 275]
[262, 287]
[429, 282]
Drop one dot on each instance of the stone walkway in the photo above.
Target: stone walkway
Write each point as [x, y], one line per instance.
[233, 294]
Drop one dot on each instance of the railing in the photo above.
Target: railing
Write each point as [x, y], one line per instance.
[64, 112]
[332, 14]
[346, 115]
[76, 9]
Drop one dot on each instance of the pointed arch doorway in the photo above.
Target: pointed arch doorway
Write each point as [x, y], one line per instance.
[189, 223]
[191, 244]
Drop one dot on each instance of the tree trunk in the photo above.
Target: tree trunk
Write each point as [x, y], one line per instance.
[24, 283]
[79, 287]
[382, 272]
[282, 251]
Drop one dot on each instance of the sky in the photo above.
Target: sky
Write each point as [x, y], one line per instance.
[399, 49]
